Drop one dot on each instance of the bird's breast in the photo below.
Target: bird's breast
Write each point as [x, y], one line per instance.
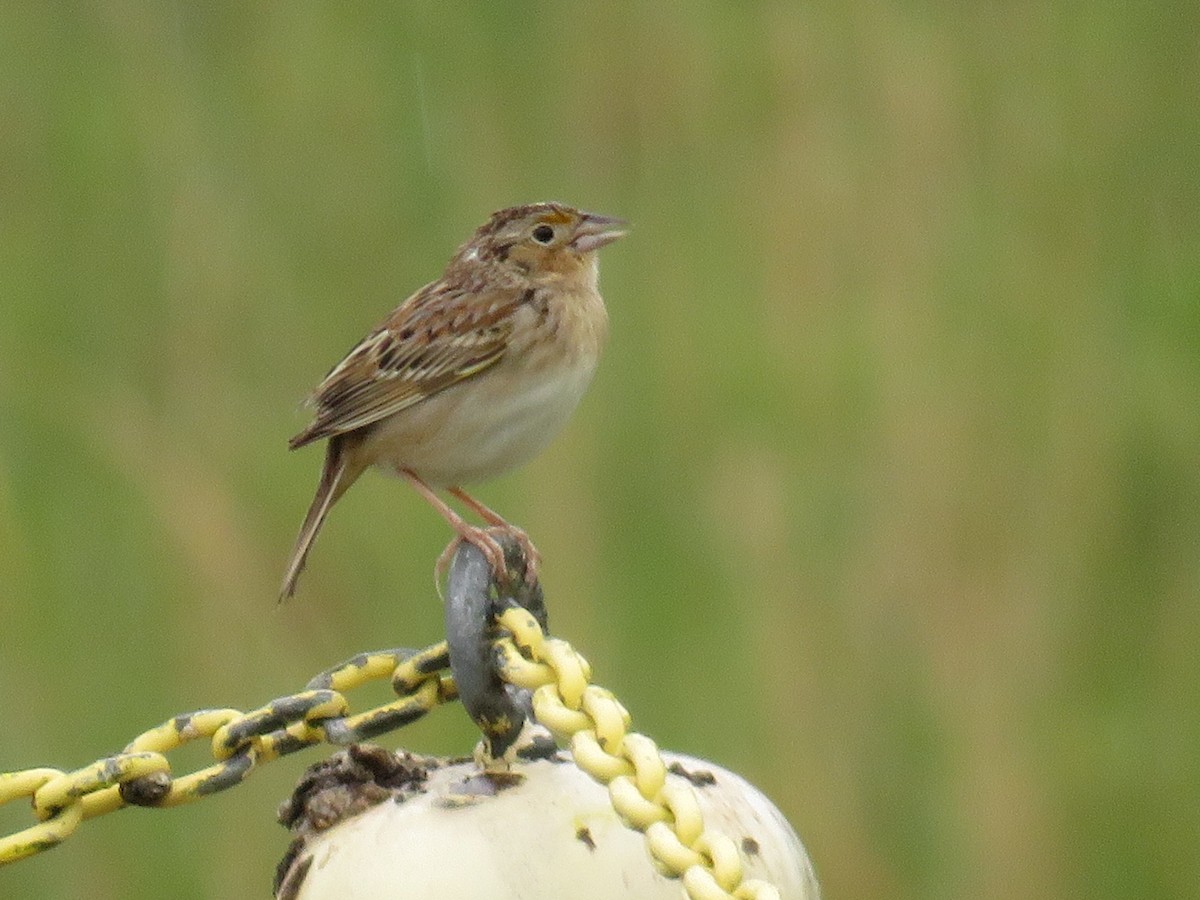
[504, 416]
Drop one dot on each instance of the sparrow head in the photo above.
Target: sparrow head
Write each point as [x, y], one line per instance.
[541, 240]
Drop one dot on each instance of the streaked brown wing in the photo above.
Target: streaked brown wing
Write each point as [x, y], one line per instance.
[437, 338]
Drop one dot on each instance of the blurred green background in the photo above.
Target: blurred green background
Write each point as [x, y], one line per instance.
[887, 494]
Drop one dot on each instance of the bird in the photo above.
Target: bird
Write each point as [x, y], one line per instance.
[471, 376]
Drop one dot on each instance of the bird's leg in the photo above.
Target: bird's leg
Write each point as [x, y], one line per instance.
[464, 530]
[533, 559]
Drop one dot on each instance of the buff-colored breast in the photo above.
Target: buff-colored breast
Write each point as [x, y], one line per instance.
[506, 415]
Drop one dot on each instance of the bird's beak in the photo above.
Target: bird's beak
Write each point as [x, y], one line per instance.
[594, 231]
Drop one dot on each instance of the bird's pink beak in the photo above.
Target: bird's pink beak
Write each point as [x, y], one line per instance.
[594, 231]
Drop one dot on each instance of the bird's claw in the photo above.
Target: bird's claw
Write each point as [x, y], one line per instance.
[493, 552]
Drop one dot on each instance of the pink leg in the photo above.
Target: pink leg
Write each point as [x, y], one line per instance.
[465, 531]
[533, 559]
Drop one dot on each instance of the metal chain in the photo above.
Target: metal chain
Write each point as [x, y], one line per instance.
[141, 775]
[586, 717]
[591, 721]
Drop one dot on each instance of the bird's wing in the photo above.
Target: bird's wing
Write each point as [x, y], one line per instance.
[437, 338]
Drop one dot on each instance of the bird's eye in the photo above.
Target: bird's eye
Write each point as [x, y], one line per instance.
[543, 234]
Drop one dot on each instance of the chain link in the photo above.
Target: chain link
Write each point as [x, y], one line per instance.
[586, 717]
[141, 775]
[595, 726]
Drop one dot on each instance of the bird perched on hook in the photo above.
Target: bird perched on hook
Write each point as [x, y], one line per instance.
[472, 375]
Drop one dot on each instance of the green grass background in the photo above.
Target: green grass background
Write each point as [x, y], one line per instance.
[887, 494]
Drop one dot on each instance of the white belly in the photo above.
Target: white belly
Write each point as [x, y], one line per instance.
[481, 428]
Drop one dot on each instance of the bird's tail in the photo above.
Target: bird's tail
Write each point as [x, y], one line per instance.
[336, 476]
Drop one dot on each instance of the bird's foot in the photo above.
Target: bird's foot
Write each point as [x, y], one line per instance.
[533, 559]
[493, 551]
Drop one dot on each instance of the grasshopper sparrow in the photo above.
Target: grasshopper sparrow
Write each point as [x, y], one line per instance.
[472, 375]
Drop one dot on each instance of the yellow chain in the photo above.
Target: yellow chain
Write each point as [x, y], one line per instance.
[586, 717]
[595, 726]
[141, 774]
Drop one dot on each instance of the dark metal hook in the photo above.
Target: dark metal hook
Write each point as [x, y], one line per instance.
[499, 709]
